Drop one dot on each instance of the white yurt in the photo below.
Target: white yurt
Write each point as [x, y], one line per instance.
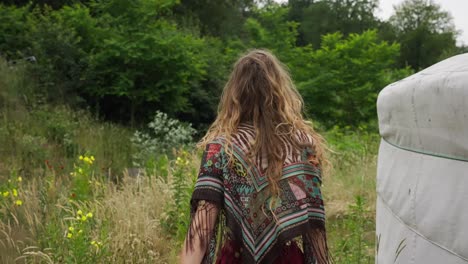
[422, 174]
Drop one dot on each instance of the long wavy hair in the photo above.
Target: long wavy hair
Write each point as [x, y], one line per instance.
[260, 92]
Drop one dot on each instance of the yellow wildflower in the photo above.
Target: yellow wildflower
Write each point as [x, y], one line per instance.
[79, 212]
[92, 158]
[18, 202]
[20, 179]
[6, 193]
[96, 244]
[89, 215]
[83, 218]
[81, 157]
[69, 235]
[15, 192]
[87, 160]
[71, 228]
[80, 231]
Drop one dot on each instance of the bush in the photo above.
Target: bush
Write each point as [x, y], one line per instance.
[348, 74]
[164, 134]
[63, 42]
[15, 23]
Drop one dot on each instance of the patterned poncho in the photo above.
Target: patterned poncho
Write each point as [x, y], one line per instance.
[249, 216]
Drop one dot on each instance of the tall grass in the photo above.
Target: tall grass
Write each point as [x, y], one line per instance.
[33, 132]
[133, 217]
[350, 195]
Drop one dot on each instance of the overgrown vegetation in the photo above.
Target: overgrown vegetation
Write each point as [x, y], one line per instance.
[84, 179]
[68, 193]
[123, 60]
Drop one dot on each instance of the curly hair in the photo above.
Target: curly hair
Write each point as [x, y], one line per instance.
[260, 91]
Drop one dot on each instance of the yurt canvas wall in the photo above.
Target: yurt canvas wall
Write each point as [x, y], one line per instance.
[422, 174]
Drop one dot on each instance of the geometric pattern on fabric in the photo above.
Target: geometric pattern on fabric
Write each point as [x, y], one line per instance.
[256, 221]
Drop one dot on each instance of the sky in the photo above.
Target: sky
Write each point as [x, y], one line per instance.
[457, 8]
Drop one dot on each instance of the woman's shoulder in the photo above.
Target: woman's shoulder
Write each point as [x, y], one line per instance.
[304, 136]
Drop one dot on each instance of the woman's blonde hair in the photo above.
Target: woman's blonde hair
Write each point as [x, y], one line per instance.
[260, 92]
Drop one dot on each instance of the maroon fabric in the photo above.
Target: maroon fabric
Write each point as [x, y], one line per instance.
[231, 254]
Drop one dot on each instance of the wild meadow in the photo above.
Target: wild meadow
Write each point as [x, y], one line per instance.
[102, 102]
[76, 189]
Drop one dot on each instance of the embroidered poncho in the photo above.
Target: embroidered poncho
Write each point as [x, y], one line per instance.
[250, 217]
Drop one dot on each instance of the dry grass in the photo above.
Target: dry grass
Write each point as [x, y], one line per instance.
[134, 212]
[346, 182]
[130, 212]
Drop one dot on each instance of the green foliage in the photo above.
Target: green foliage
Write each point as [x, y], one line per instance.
[222, 18]
[149, 60]
[271, 30]
[317, 18]
[178, 218]
[10, 195]
[344, 76]
[49, 207]
[426, 33]
[348, 74]
[59, 128]
[35, 132]
[353, 246]
[61, 42]
[55, 4]
[158, 65]
[164, 136]
[73, 235]
[14, 23]
[353, 141]
[203, 99]
[83, 179]
[125, 59]
[78, 243]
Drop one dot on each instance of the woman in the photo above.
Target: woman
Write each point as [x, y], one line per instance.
[257, 198]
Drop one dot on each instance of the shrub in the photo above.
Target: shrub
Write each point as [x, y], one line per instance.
[164, 134]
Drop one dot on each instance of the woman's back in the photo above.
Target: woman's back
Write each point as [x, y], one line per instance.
[257, 225]
[260, 175]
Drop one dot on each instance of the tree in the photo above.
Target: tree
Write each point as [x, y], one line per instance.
[270, 29]
[55, 4]
[346, 76]
[14, 26]
[62, 41]
[320, 17]
[425, 31]
[143, 60]
[221, 18]
[340, 80]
